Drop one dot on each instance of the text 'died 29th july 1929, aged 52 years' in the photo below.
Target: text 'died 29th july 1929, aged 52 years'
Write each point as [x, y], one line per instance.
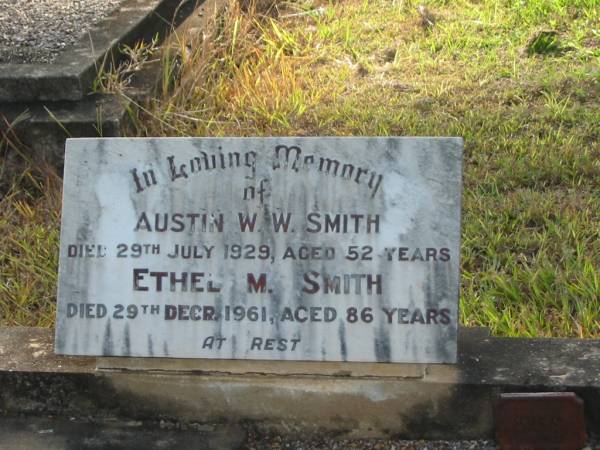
[322, 249]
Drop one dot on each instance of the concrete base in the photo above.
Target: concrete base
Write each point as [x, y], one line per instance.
[340, 399]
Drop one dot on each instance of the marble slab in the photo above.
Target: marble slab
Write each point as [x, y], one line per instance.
[317, 249]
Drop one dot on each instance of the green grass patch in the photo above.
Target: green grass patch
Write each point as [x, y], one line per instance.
[519, 80]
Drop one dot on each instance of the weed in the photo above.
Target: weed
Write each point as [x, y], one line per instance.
[113, 77]
[543, 43]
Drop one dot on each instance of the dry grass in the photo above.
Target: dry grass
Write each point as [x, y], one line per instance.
[29, 230]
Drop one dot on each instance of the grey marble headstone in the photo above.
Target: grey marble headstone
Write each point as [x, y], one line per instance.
[324, 249]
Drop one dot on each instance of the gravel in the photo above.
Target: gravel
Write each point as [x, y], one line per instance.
[36, 31]
[283, 443]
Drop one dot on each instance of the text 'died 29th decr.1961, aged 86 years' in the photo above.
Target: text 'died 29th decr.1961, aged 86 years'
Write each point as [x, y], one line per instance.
[323, 249]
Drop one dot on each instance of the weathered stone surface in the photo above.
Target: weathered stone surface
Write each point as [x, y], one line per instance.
[339, 249]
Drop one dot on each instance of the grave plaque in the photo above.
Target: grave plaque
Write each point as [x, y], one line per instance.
[540, 421]
[322, 249]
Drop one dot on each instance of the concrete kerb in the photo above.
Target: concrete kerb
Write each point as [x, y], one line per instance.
[43, 125]
[70, 77]
[341, 399]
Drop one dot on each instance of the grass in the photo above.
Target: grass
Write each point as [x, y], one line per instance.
[519, 80]
[29, 230]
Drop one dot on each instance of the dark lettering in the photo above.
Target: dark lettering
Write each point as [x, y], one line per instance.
[314, 286]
